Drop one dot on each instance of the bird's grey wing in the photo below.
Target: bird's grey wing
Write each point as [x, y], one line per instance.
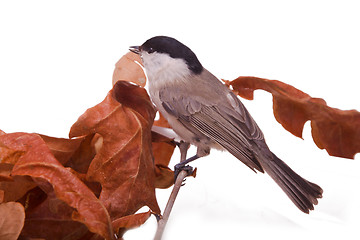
[223, 119]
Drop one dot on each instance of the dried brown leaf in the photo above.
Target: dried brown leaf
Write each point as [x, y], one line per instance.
[11, 221]
[162, 154]
[51, 219]
[8, 155]
[17, 188]
[5, 171]
[37, 161]
[62, 148]
[13, 187]
[128, 69]
[53, 229]
[124, 165]
[164, 176]
[82, 157]
[163, 149]
[132, 221]
[337, 131]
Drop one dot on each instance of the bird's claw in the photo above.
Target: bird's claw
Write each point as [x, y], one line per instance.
[183, 182]
[180, 167]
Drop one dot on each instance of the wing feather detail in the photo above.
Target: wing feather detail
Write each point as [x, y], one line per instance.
[220, 123]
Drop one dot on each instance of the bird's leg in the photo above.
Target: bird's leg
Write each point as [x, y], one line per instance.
[186, 161]
[183, 146]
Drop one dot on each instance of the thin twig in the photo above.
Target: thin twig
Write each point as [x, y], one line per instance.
[162, 222]
[179, 181]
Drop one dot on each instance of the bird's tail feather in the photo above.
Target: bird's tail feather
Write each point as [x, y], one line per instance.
[303, 194]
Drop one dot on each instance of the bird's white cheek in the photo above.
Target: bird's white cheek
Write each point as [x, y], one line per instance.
[162, 67]
[153, 63]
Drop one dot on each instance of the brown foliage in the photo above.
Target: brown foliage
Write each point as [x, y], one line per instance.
[128, 69]
[124, 165]
[335, 130]
[37, 161]
[99, 178]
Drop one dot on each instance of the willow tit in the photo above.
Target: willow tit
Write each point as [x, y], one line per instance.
[207, 114]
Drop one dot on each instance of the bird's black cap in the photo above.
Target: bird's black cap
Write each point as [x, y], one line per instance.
[175, 49]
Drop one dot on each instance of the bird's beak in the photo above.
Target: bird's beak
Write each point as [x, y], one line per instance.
[135, 49]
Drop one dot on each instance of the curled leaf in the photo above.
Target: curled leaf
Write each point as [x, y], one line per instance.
[128, 69]
[337, 131]
[38, 161]
[62, 148]
[124, 165]
[16, 188]
[82, 157]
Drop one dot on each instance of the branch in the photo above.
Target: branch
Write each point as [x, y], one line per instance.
[178, 183]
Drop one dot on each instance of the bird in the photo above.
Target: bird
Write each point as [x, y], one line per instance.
[204, 112]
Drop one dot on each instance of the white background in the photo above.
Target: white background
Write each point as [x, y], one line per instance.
[57, 59]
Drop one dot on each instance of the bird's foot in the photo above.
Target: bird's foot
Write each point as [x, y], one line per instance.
[182, 167]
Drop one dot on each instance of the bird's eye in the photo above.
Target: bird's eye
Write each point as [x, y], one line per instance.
[151, 50]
